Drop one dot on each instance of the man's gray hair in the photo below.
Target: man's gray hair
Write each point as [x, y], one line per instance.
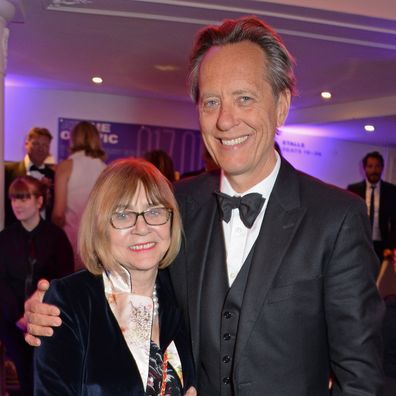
[279, 61]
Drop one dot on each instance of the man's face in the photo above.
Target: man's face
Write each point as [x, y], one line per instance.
[38, 149]
[239, 113]
[373, 170]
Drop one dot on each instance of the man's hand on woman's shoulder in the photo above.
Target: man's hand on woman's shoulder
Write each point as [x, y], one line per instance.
[40, 317]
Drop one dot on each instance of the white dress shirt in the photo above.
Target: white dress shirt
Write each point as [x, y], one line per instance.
[376, 233]
[36, 174]
[239, 239]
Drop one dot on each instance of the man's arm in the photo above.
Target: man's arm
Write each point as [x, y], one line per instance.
[39, 318]
[354, 309]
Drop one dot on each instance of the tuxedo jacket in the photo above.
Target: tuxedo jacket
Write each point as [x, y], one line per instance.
[311, 309]
[387, 210]
[88, 354]
[12, 170]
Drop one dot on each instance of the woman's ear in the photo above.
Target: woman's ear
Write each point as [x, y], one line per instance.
[40, 201]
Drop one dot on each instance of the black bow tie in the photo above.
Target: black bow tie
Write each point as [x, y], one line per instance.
[249, 207]
[43, 171]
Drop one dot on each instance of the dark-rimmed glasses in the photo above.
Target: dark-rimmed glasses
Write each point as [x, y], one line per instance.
[128, 218]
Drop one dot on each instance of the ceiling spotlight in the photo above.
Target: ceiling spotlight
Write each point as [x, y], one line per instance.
[97, 80]
[325, 95]
[166, 68]
[369, 128]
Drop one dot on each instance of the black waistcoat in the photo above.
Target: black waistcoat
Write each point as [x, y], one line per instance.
[220, 309]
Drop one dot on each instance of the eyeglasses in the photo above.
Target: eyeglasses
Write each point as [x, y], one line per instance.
[127, 218]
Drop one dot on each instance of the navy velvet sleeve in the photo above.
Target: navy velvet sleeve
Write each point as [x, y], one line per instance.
[58, 362]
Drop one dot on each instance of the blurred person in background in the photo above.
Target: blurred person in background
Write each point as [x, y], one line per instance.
[380, 198]
[74, 180]
[162, 161]
[209, 164]
[37, 146]
[30, 249]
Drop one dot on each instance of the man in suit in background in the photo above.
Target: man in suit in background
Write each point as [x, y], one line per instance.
[277, 272]
[37, 147]
[380, 198]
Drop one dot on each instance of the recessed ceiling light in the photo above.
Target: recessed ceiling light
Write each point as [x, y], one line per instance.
[166, 68]
[97, 80]
[369, 128]
[325, 95]
[58, 3]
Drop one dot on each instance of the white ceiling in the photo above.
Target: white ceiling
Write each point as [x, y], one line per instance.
[346, 47]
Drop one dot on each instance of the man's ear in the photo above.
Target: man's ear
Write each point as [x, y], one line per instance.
[283, 107]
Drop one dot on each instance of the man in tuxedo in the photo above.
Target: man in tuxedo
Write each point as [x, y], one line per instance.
[380, 198]
[277, 271]
[37, 147]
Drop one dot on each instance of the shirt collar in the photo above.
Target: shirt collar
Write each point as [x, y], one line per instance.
[29, 163]
[369, 184]
[264, 187]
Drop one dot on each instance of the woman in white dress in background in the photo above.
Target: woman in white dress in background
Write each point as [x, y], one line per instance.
[74, 179]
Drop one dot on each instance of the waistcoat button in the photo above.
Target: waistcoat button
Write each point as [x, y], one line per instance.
[227, 315]
[226, 380]
[226, 359]
[226, 336]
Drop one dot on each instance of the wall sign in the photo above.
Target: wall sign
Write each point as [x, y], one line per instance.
[126, 140]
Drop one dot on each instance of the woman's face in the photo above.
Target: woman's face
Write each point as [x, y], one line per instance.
[26, 207]
[141, 247]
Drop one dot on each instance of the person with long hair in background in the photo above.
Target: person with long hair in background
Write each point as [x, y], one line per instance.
[74, 179]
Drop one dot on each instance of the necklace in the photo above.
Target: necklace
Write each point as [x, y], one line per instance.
[155, 302]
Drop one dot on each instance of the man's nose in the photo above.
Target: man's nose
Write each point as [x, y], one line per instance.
[226, 118]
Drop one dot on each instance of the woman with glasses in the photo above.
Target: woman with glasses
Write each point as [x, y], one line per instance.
[121, 332]
[30, 249]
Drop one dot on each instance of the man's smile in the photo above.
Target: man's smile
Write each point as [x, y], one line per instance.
[233, 142]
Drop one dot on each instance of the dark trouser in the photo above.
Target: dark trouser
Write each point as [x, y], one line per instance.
[21, 354]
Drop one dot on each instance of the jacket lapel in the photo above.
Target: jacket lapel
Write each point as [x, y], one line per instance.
[19, 169]
[198, 222]
[362, 189]
[282, 218]
[169, 316]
